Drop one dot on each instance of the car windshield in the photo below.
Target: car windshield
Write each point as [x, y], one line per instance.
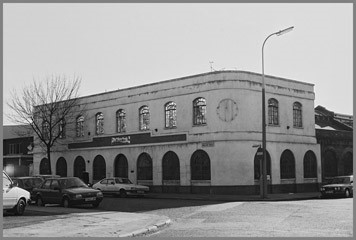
[37, 182]
[340, 180]
[72, 183]
[123, 180]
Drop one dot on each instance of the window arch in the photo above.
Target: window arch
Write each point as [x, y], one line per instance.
[287, 165]
[170, 166]
[99, 123]
[257, 166]
[199, 111]
[200, 166]
[310, 165]
[61, 167]
[62, 128]
[121, 166]
[144, 167]
[44, 166]
[273, 116]
[121, 121]
[99, 168]
[144, 113]
[171, 114]
[79, 167]
[80, 126]
[297, 115]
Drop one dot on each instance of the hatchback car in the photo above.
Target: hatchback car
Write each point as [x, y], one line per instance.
[120, 186]
[14, 199]
[338, 186]
[28, 183]
[67, 191]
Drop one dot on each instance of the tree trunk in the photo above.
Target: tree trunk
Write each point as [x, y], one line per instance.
[49, 159]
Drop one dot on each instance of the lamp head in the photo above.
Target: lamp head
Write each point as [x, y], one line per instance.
[284, 31]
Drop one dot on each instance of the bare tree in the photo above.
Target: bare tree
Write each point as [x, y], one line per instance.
[49, 107]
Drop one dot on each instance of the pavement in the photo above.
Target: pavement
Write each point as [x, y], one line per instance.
[75, 222]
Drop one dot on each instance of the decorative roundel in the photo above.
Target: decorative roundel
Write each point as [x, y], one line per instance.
[227, 110]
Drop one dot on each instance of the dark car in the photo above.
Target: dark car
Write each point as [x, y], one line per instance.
[67, 191]
[28, 183]
[338, 186]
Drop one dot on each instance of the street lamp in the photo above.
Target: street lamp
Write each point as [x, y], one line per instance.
[263, 169]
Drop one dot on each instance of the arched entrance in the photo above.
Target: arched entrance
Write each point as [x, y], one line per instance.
[347, 164]
[79, 167]
[44, 166]
[99, 168]
[144, 169]
[170, 172]
[61, 167]
[121, 166]
[330, 168]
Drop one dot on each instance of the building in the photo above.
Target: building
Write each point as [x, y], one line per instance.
[334, 133]
[196, 134]
[17, 150]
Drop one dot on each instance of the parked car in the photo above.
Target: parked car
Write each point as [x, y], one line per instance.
[338, 186]
[67, 191]
[28, 183]
[14, 199]
[45, 176]
[120, 186]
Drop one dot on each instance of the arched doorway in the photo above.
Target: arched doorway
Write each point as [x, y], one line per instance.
[330, 168]
[79, 167]
[99, 168]
[200, 166]
[121, 166]
[144, 168]
[310, 165]
[347, 163]
[61, 167]
[170, 172]
[44, 166]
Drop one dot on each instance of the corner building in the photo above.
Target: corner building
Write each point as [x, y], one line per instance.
[196, 134]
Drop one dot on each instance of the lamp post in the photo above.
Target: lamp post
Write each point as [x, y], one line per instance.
[263, 164]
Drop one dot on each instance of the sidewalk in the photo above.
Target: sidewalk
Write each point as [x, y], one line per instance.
[95, 223]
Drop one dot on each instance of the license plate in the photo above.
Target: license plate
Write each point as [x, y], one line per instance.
[90, 199]
[140, 192]
[328, 191]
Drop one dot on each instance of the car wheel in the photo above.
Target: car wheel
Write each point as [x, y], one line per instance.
[123, 193]
[65, 203]
[95, 205]
[39, 201]
[20, 207]
[347, 193]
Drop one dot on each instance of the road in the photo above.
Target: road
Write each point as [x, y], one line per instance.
[197, 218]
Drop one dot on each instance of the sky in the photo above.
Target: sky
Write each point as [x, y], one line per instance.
[121, 45]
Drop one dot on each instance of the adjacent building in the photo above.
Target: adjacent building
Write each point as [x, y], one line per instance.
[195, 134]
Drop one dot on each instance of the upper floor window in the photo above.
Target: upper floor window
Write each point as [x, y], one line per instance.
[199, 111]
[62, 130]
[99, 118]
[297, 115]
[45, 130]
[171, 114]
[80, 126]
[144, 118]
[121, 121]
[272, 111]
[14, 148]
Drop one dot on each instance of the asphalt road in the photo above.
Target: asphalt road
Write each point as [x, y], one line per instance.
[196, 218]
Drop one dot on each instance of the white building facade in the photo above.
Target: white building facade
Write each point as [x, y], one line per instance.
[195, 134]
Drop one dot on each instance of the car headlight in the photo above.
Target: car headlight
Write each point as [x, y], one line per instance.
[337, 188]
[322, 189]
[78, 196]
[99, 194]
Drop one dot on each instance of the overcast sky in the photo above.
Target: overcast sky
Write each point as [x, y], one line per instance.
[114, 46]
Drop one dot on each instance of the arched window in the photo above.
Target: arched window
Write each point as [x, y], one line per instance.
[80, 126]
[257, 166]
[45, 130]
[121, 166]
[171, 114]
[79, 167]
[309, 163]
[199, 111]
[170, 166]
[348, 164]
[121, 121]
[144, 113]
[330, 164]
[99, 168]
[61, 167]
[44, 166]
[62, 129]
[287, 165]
[297, 115]
[99, 124]
[200, 166]
[273, 118]
[144, 167]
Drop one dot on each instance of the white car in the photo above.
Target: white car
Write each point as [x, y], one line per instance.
[120, 186]
[14, 198]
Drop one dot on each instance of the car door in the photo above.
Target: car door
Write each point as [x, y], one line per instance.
[54, 193]
[103, 185]
[110, 186]
[9, 193]
[44, 190]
